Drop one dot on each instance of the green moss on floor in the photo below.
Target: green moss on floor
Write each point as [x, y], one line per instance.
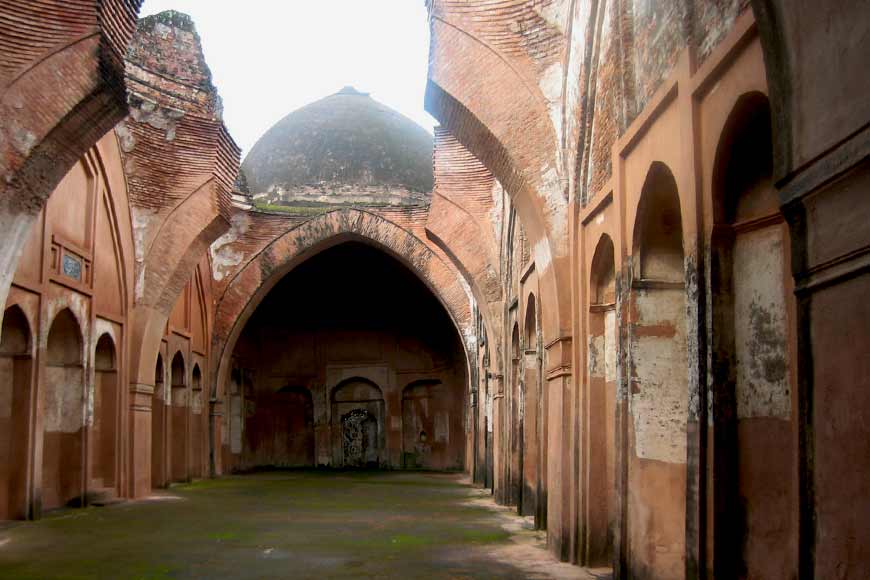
[290, 524]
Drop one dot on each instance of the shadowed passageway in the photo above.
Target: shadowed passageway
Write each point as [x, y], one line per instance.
[288, 524]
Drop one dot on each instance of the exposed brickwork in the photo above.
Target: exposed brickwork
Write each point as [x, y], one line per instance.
[633, 46]
[712, 19]
[605, 105]
[62, 89]
[180, 161]
[515, 28]
[463, 220]
[497, 105]
[659, 34]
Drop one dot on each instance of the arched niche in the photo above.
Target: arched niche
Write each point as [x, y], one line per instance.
[602, 276]
[158, 425]
[358, 413]
[178, 374]
[534, 419]
[599, 410]
[530, 327]
[515, 426]
[196, 378]
[754, 391]
[658, 232]
[179, 420]
[104, 434]
[197, 425]
[16, 370]
[63, 414]
[658, 392]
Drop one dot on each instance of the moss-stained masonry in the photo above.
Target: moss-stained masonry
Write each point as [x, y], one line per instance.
[344, 145]
[164, 24]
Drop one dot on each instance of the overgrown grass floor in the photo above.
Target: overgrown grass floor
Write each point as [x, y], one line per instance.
[292, 524]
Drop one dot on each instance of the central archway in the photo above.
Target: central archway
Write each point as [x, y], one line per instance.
[259, 273]
[378, 354]
[262, 271]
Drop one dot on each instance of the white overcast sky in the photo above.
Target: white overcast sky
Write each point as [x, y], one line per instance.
[270, 57]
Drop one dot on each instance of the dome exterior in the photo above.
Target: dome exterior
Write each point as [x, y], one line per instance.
[346, 144]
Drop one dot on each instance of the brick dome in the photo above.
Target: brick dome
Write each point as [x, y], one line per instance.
[344, 143]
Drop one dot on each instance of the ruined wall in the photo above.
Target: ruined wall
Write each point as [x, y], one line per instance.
[820, 119]
[181, 165]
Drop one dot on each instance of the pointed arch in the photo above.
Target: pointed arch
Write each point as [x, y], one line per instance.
[63, 399]
[247, 289]
[16, 371]
[658, 399]
[179, 419]
[754, 393]
[158, 425]
[603, 273]
[358, 423]
[598, 402]
[534, 417]
[105, 432]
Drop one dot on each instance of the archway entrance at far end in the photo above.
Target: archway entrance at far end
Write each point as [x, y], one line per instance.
[371, 360]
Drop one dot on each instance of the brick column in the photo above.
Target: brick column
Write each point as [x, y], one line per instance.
[140, 439]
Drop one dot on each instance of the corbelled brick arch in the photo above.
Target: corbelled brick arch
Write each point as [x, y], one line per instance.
[498, 89]
[459, 223]
[61, 89]
[264, 270]
[495, 92]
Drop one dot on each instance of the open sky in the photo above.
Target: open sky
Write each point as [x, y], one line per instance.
[270, 57]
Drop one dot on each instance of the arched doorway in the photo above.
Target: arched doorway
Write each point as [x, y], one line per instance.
[515, 428]
[63, 414]
[16, 366]
[358, 424]
[197, 431]
[658, 399]
[754, 389]
[534, 421]
[178, 418]
[158, 426]
[105, 411]
[599, 418]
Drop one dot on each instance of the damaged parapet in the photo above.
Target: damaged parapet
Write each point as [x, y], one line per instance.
[180, 161]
